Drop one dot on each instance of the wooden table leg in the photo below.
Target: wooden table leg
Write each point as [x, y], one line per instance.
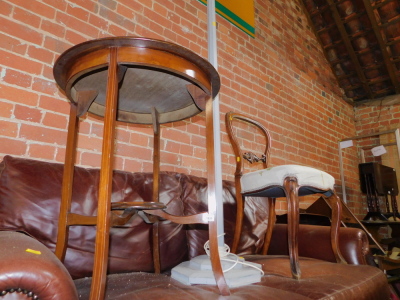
[212, 203]
[105, 185]
[156, 189]
[68, 177]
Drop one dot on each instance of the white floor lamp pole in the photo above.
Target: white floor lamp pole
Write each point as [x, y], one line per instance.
[213, 58]
[198, 270]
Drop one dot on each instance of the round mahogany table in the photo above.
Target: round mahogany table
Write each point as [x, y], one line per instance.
[141, 81]
[151, 74]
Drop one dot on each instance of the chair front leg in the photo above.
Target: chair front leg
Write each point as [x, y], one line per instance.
[291, 189]
[336, 218]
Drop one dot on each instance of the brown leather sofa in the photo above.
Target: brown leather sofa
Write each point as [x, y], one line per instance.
[29, 205]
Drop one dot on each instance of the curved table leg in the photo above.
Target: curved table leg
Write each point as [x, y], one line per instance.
[212, 203]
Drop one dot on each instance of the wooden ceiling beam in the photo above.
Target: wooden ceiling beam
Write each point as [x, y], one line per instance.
[349, 47]
[390, 66]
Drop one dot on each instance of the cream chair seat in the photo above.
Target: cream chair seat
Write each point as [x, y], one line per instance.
[269, 182]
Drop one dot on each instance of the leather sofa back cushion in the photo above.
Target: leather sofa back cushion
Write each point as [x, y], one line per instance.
[30, 193]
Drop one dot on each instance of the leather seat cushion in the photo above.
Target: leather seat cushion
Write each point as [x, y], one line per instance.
[320, 280]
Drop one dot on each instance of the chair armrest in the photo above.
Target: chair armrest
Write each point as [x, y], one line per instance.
[30, 269]
[315, 242]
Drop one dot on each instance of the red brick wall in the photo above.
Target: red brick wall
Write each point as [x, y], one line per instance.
[279, 77]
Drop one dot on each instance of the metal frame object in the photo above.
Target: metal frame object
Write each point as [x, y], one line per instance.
[397, 143]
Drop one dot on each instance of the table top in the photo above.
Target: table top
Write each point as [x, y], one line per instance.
[152, 74]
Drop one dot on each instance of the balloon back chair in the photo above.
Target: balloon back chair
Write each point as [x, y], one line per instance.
[288, 181]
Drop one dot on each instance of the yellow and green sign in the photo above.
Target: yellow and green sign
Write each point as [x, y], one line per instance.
[238, 12]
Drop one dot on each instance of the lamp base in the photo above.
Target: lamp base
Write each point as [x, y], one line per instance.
[199, 271]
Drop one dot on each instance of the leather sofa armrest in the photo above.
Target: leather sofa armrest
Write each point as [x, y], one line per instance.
[30, 269]
[315, 242]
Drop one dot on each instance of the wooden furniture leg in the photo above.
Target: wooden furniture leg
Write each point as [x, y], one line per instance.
[271, 224]
[156, 190]
[212, 203]
[105, 186]
[239, 218]
[68, 178]
[336, 218]
[394, 206]
[291, 188]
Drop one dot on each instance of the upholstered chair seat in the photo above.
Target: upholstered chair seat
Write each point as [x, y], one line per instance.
[269, 182]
